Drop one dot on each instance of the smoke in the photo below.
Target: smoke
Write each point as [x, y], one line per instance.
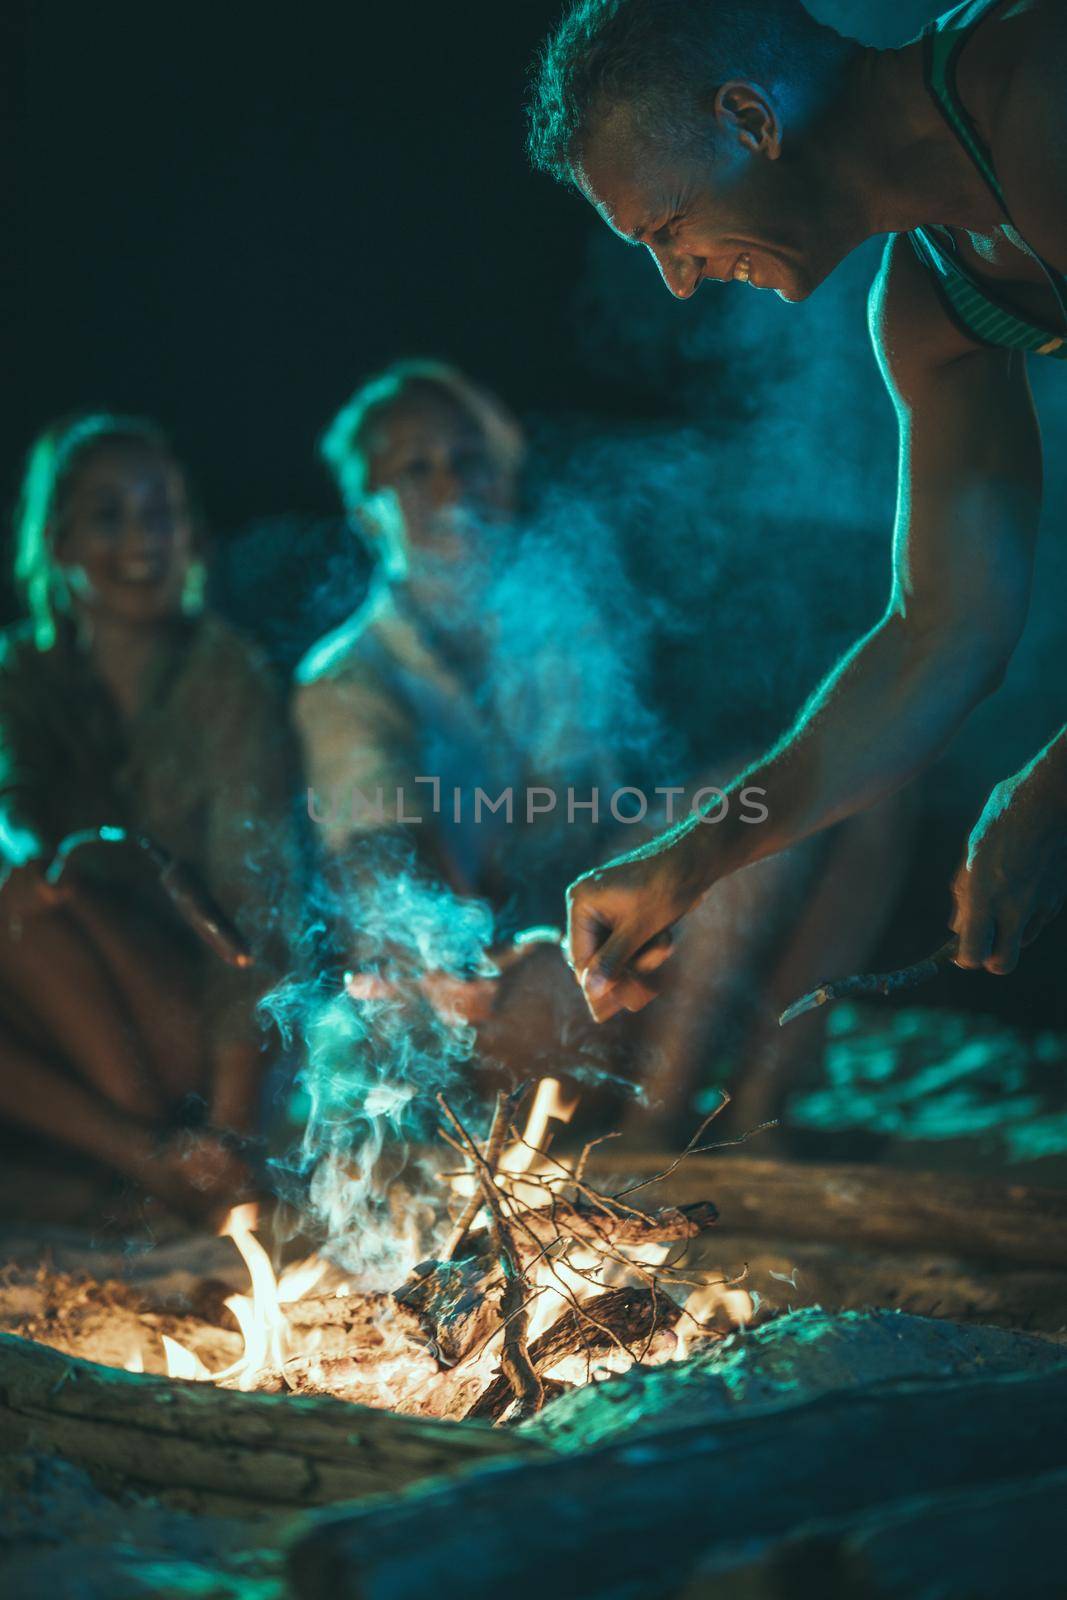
[370, 1069]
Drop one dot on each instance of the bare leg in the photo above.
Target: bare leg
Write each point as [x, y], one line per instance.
[156, 972]
[759, 940]
[62, 985]
[850, 901]
[36, 1094]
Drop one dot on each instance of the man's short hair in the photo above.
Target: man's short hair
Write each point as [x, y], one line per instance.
[659, 58]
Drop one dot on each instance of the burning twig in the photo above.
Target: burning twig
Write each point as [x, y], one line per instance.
[515, 1357]
[504, 1110]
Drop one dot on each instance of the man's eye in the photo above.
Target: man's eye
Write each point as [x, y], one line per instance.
[669, 230]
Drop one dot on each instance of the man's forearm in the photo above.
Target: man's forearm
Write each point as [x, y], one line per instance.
[883, 714]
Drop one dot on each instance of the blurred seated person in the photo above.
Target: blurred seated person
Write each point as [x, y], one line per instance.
[411, 688]
[123, 705]
[418, 684]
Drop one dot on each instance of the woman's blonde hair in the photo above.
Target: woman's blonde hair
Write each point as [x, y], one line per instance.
[345, 443]
[56, 456]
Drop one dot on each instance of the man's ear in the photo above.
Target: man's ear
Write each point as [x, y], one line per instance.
[746, 112]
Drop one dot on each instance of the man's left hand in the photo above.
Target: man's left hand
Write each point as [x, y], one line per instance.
[1014, 880]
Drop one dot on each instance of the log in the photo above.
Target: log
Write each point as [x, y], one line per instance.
[632, 1519]
[631, 1317]
[893, 1209]
[452, 1304]
[792, 1272]
[213, 1449]
[790, 1359]
[983, 1543]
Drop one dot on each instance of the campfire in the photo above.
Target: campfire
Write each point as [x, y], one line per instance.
[332, 1438]
[541, 1282]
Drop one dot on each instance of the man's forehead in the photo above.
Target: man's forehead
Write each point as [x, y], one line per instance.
[623, 196]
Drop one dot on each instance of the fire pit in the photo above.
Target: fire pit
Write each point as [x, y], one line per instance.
[541, 1282]
[569, 1390]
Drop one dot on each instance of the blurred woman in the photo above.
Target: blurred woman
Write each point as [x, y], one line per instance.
[123, 705]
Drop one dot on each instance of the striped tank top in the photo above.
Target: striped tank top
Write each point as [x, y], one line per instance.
[970, 300]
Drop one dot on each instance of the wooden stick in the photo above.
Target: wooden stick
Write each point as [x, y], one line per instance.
[515, 1357]
[503, 1111]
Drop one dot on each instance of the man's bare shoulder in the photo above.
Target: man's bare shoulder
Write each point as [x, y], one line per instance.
[911, 330]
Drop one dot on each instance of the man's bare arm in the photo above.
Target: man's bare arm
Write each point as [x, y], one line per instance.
[968, 509]
[968, 506]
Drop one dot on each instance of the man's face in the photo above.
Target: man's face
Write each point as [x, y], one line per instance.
[724, 213]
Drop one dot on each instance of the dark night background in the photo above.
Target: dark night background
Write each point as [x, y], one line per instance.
[226, 216]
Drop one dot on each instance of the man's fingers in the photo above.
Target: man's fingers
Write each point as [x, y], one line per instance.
[598, 976]
[629, 982]
[1007, 942]
[654, 952]
[976, 929]
[586, 930]
[627, 993]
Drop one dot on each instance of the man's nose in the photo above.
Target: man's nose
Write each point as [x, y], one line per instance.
[681, 274]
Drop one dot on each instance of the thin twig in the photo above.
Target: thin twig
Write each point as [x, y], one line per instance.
[697, 1150]
[515, 1360]
[493, 1146]
[587, 1150]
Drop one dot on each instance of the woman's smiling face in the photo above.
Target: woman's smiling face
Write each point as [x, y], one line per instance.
[125, 536]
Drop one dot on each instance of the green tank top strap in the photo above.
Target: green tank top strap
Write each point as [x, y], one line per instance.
[944, 41]
[970, 300]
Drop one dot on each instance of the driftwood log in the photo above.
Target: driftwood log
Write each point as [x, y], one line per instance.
[634, 1520]
[984, 1543]
[216, 1450]
[788, 1273]
[979, 1219]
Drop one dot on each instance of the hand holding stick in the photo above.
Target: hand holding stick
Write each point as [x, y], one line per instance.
[868, 983]
[190, 899]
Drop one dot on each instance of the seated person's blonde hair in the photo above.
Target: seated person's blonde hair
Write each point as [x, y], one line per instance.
[345, 447]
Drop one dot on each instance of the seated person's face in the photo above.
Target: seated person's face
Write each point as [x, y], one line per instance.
[445, 481]
[125, 538]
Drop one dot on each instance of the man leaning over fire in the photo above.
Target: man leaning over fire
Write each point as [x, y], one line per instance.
[741, 140]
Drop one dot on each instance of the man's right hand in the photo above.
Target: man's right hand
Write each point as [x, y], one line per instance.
[620, 917]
